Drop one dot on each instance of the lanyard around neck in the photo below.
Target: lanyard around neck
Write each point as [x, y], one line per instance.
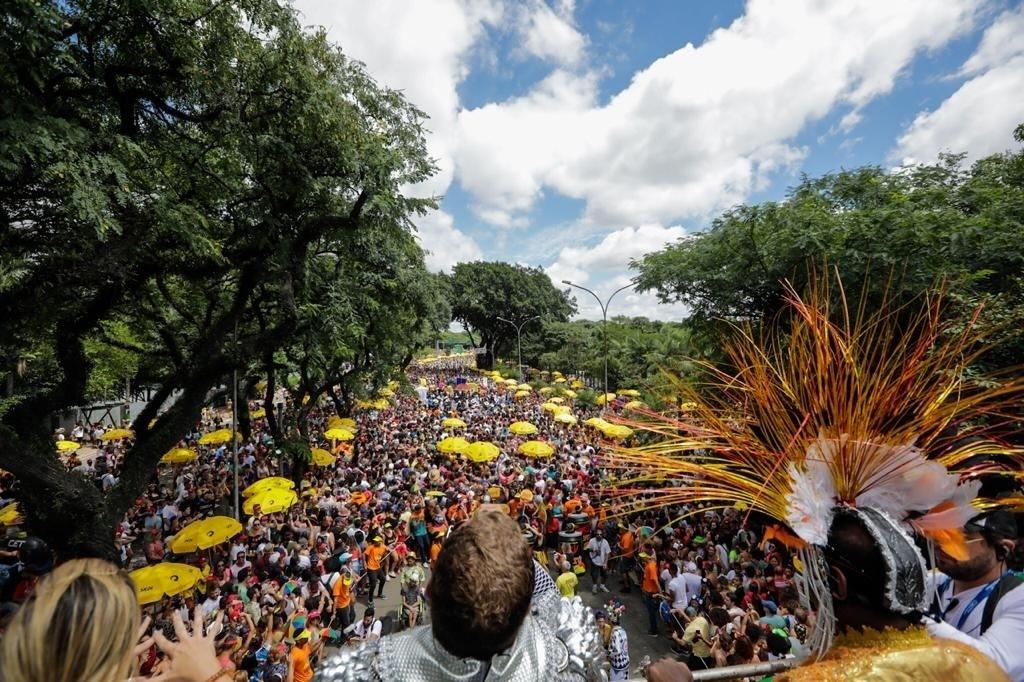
[980, 597]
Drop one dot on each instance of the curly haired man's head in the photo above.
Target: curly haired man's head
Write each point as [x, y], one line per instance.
[481, 587]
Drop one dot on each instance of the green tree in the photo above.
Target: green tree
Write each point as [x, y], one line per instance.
[171, 169]
[887, 233]
[482, 292]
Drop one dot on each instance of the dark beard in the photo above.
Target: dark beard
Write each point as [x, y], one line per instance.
[971, 569]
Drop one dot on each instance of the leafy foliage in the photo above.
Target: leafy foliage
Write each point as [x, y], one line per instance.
[175, 177]
[482, 292]
[897, 233]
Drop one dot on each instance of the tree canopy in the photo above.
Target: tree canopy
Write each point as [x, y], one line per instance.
[175, 175]
[482, 292]
[887, 233]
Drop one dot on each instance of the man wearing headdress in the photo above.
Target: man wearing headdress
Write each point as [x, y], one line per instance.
[837, 431]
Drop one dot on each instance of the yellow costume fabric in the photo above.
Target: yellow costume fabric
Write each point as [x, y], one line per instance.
[898, 656]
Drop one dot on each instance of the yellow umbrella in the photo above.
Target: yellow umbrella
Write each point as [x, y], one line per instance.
[633, 405]
[179, 456]
[561, 409]
[536, 448]
[511, 382]
[617, 431]
[560, 380]
[571, 395]
[336, 422]
[482, 451]
[631, 392]
[596, 422]
[258, 414]
[453, 423]
[547, 390]
[205, 534]
[522, 428]
[453, 444]
[322, 458]
[338, 434]
[565, 418]
[267, 484]
[67, 445]
[557, 400]
[607, 397]
[577, 384]
[117, 434]
[522, 394]
[218, 437]
[155, 582]
[524, 387]
[549, 407]
[10, 514]
[271, 501]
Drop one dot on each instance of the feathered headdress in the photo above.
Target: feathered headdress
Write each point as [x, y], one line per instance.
[841, 410]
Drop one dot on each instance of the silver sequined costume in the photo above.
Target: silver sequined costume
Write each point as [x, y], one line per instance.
[558, 642]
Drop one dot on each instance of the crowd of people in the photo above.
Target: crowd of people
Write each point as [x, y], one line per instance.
[299, 583]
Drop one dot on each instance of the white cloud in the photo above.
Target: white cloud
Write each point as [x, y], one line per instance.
[549, 34]
[703, 127]
[496, 216]
[619, 247]
[443, 243]
[603, 267]
[979, 118]
[1003, 40]
[628, 302]
[422, 48]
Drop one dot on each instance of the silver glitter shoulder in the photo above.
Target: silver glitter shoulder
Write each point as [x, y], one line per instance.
[355, 664]
[558, 642]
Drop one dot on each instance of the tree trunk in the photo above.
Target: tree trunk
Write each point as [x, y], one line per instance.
[486, 359]
[68, 513]
[242, 409]
[268, 401]
[336, 401]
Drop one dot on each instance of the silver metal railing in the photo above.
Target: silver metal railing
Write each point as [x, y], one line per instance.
[735, 672]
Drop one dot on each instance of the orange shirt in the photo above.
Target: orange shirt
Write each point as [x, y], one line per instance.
[573, 505]
[514, 505]
[435, 551]
[628, 544]
[651, 585]
[374, 553]
[301, 670]
[342, 593]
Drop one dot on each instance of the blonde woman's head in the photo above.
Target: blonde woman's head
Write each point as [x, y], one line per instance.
[79, 625]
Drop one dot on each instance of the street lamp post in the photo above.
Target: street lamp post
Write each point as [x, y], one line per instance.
[234, 432]
[519, 339]
[604, 327]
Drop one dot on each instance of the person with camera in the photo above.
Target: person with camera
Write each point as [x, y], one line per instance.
[979, 601]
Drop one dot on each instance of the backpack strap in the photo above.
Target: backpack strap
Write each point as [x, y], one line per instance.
[1005, 584]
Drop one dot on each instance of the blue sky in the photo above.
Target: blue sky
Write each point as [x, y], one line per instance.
[576, 135]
